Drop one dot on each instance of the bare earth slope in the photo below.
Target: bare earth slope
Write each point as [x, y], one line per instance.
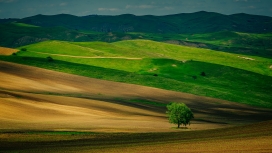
[34, 98]
[7, 51]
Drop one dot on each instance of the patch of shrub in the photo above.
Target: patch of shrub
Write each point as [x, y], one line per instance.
[155, 75]
[23, 49]
[203, 74]
[49, 58]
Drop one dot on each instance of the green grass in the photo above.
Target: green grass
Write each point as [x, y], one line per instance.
[227, 41]
[147, 49]
[162, 50]
[66, 48]
[108, 48]
[19, 34]
[234, 39]
[118, 64]
[25, 25]
[221, 82]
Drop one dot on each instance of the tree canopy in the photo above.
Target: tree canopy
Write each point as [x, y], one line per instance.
[179, 113]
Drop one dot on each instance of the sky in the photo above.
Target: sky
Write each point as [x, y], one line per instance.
[26, 8]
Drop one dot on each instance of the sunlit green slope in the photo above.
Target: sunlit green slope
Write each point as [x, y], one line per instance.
[149, 49]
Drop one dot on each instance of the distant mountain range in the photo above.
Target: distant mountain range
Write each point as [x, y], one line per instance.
[185, 23]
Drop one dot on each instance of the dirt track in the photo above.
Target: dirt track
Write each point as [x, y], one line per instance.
[100, 110]
[129, 58]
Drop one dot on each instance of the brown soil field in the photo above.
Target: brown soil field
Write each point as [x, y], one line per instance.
[249, 138]
[253, 144]
[37, 99]
[7, 51]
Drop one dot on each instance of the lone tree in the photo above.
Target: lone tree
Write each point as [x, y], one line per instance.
[179, 113]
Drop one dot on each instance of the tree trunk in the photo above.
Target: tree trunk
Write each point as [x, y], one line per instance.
[178, 125]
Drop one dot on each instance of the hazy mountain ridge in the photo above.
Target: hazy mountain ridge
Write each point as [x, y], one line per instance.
[199, 22]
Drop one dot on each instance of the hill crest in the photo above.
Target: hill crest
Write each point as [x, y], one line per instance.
[198, 22]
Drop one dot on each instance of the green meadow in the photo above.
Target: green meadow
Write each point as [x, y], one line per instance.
[150, 49]
[205, 72]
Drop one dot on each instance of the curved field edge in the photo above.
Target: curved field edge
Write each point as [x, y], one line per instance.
[50, 100]
[218, 81]
[254, 137]
[251, 93]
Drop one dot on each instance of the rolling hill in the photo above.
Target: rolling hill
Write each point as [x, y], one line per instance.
[102, 83]
[147, 49]
[20, 34]
[166, 66]
[49, 100]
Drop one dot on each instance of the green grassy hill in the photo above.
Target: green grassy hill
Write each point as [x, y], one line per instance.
[227, 76]
[150, 49]
[20, 34]
[162, 50]
[227, 41]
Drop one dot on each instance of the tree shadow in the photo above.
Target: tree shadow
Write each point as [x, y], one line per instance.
[181, 128]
